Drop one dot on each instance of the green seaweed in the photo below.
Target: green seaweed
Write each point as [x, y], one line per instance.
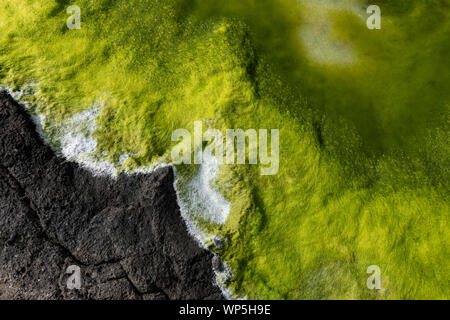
[364, 153]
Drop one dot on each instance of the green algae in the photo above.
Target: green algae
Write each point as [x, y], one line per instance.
[364, 151]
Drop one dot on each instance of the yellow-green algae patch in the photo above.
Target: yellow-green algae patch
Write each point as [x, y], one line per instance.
[364, 153]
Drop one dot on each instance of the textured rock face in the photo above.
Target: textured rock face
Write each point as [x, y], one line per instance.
[126, 235]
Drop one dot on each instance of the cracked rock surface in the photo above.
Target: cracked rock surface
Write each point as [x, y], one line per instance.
[126, 234]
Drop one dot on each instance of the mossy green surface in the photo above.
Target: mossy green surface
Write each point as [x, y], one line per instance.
[364, 152]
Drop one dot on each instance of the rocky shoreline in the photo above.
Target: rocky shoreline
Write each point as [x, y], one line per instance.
[126, 234]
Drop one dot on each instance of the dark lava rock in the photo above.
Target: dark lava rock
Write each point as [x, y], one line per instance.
[218, 242]
[217, 264]
[126, 234]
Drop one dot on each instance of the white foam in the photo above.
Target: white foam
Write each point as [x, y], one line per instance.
[159, 163]
[77, 143]
[193, 228]
[200, 198]
[25, 90]
[197, 198]
[209, 202]
[192, 207]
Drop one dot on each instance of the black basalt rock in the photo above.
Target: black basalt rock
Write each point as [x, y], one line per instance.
[126, 234]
